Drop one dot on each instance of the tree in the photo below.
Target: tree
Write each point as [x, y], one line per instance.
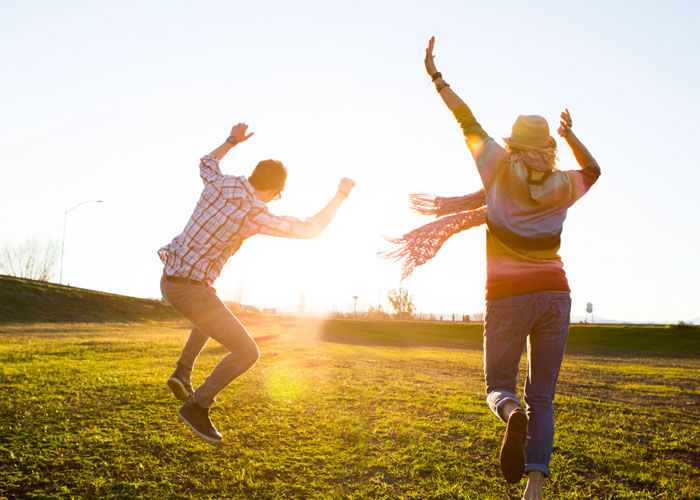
[402, 302]
[477, 317]
[31, 259]
[238, 293]
[376, 313]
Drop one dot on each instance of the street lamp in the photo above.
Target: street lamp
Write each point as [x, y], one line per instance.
[63, 241]
[355, 297]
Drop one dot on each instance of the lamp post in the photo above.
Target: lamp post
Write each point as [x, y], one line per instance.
[355, 297]
[63, 241]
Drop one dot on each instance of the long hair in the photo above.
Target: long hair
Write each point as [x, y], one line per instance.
[544, 159]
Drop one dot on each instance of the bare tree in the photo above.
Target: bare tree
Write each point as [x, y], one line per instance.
[402, 303]
[237, 294]
[30, 259]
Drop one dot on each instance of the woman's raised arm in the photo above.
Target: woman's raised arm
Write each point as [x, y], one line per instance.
[473, 132]
[451, 99]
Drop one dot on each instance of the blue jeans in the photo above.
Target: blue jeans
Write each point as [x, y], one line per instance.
[211, 318]
[540, 320]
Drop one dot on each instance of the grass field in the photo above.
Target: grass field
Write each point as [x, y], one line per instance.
[337, 410]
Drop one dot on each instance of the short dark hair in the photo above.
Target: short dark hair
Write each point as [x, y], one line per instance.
[269, 174]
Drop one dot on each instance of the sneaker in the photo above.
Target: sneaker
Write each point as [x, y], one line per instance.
[197, 419]
[513, 448]
[180, 384]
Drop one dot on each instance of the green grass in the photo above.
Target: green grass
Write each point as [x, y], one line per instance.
[27, 301]
[337, 410]
[624, 340]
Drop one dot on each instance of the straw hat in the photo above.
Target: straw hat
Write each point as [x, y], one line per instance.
[531, 133]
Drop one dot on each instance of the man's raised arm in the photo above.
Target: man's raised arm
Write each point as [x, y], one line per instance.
[238, 135]
[325, 216]
[209, 169]
[291, 227]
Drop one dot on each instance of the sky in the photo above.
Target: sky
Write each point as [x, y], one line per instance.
[117, 101]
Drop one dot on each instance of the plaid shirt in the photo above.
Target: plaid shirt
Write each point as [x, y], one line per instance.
[228, 212]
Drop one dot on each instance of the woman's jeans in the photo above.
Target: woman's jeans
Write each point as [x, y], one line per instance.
[540, 320]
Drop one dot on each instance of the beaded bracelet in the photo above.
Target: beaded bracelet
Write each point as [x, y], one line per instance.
[437, 75]
[441, 86]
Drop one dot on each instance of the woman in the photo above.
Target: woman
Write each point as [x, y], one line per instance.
[527, 293]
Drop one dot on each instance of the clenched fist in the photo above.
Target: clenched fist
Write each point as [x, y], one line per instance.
[346, 186]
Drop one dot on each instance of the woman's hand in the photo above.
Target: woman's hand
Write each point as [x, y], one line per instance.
[565, 123]
[451, 99]
[429, 58]
[582, 155]
[238, 132]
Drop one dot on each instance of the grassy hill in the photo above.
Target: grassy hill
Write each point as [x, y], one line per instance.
[28, 301]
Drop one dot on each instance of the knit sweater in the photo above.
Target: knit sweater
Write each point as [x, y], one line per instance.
[524, 216]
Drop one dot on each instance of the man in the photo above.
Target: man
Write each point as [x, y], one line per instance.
[230, 209]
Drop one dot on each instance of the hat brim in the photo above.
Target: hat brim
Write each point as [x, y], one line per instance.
[527, 147]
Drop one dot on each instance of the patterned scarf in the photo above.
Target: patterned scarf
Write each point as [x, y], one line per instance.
[420, 245]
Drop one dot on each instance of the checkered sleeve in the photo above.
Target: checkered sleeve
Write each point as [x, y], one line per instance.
[209, 169]
[270, 224]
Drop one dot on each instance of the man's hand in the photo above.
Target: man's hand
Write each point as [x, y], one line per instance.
[565, 123]
[429, 58]
[238, 135]
[324, 217]
[346, 186]
[238, 132]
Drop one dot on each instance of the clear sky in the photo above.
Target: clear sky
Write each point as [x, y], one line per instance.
[118, 101]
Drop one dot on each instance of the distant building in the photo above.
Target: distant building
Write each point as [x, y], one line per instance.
[270, 310]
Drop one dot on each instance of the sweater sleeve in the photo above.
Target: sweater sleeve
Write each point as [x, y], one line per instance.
[583, 179]
[470, 126]
[488, 155]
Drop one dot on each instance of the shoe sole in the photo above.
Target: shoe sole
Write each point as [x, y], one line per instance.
[513, 450]
[179, 389]
[203, 436]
